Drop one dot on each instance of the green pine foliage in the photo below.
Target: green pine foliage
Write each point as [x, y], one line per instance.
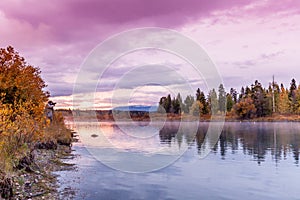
[252, 101]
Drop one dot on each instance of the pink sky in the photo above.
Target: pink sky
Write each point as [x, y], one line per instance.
[247, 39]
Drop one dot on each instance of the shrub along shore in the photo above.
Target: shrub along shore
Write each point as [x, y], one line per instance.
[31, 175]
[28, 174]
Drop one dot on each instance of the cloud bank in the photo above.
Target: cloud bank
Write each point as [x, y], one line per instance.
[247, 39]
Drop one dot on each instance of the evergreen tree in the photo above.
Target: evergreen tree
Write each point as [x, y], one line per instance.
[188, 102]
[260, 100]
[175, 108]
[229, 102]
[233, 94]
[198, 94]
[269, 100]
[162, 105]
[179, 102]
[213, 101]
[248, 92]
[168, 104]
[292, 96]
[242, 95]
[263, 100]
[222, 98]
[203, 101]
[293, 88]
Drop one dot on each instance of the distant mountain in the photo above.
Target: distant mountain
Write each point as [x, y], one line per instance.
[139, 108]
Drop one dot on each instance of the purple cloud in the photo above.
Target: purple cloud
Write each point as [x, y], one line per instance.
[57, 35]
[71, 20]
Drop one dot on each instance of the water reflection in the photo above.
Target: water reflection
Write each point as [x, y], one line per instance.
[132, 148]
[279, 140]
[241, 165]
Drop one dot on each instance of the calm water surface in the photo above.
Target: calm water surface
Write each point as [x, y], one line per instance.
[250, 161]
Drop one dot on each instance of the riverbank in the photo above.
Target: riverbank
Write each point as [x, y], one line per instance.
[41, 183]
[30, 173]
[36, 178]
[145, 117]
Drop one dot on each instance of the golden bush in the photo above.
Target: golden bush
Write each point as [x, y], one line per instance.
[22, 103]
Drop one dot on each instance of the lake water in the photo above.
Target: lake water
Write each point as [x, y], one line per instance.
[250, 161]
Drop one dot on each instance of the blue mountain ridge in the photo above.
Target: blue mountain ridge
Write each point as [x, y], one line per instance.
[139, 108]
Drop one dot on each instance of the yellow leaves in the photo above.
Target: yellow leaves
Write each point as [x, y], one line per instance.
[245, 108]
[196, 108]
[16, 133]
[22, 98]
[5, 122]
[283, 103]
[20, 82]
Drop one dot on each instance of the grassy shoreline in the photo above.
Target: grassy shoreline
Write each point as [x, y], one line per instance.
[30, 175]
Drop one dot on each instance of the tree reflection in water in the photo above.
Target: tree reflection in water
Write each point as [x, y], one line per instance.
[254, 139]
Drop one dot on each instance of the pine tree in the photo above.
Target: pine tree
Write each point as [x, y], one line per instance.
[233, 94]
[188, 102]
[168, 105]
[229, 102]
[293, 88]
[179, 103]
[242, 95]
[292, 96]
[260, 100]
[222, 98]
[162, 105]
[213, 101]
[203, 101]
[198, 94]
[175, 105]
[248, 92]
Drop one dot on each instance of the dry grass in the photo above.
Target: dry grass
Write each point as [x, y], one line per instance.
[57, 132]
[18, 141]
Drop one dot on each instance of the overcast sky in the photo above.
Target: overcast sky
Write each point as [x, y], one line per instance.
[246, 39]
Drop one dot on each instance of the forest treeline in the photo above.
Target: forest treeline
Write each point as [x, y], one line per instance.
[251, 102]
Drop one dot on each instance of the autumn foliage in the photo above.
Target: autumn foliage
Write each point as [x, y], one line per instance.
[21, 106]
[245, 108]
[22, 102]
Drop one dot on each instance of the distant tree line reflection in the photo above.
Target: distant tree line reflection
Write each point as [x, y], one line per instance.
[259, 140]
